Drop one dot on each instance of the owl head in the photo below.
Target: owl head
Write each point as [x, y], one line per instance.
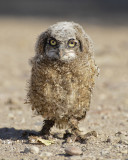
[64, 41]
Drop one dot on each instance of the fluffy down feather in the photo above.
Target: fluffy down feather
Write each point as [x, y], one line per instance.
[61, 90]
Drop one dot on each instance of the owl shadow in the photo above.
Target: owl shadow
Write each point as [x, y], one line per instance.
[15, 134]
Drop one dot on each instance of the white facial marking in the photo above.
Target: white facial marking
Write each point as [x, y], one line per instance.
[69, 56]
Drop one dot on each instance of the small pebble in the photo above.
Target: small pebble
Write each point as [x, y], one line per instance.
[104, 152]
[23, 121]
[108, 140]
[118, 133]
[27, 150]
[73, 151]
[9, 101]
[11, 116]
[124, 151]
[9, 142]
[34, 149]
[45, 154]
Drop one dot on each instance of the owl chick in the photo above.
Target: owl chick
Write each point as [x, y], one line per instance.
[62, 77]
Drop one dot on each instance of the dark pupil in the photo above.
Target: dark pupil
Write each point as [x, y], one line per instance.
[71, 42]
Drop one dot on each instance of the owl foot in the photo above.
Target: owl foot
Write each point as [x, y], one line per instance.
[69, 137]
[85, 137]
[45, 131]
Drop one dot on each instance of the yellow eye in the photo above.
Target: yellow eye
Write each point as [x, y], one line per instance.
[53, 42]
[71, 43]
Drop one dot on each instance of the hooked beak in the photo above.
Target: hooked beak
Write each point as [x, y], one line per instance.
[66, 54]
[62, 53]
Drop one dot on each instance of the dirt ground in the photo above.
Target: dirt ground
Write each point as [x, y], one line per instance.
[108, 115]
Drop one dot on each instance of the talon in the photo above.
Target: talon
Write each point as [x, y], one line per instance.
[71, 139]
[84, 138]
[67, 134]
[45, 132]
[81, 139]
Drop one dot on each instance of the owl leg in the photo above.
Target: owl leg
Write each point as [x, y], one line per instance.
[76, 134]
[75, 129]
[45, 131]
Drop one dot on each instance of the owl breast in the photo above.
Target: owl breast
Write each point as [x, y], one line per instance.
[60, 92]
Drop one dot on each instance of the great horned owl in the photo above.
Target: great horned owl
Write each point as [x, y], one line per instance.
[62, 76]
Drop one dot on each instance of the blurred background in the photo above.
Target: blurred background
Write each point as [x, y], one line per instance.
[89, 11]
[106, 21]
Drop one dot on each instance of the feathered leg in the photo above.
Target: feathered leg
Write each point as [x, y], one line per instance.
[48, 124]
[76, 134]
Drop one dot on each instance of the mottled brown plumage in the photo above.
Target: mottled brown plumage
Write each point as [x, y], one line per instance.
[62, 76]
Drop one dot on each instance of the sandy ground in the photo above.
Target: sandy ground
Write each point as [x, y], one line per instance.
[108, 115]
